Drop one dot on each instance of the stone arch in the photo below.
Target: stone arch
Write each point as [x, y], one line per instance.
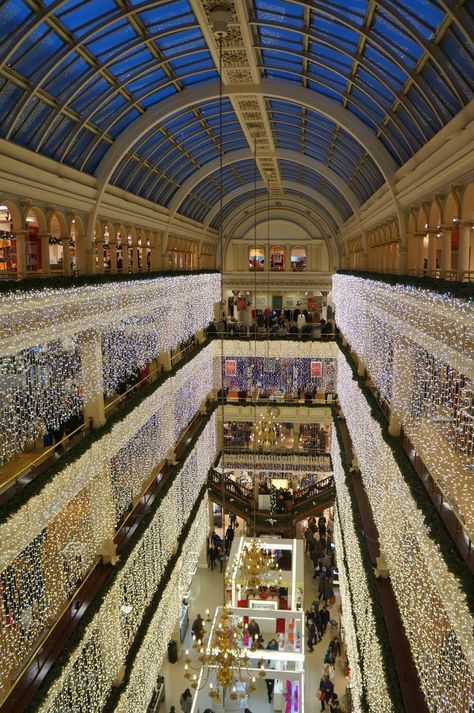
[452, 208]
[14, 212]
[467, 203]
[58, 217]
[39, 215]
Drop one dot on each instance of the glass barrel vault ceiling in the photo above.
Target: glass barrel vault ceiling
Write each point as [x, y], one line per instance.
[75, 73]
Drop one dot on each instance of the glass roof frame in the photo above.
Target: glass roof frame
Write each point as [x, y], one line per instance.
[329, 11]
[99, 69]
[128, 107]
[323, 133]
[201, 131]
[170, 150]
[403, 130]
[205, 188]
[387, 114]
[118, 87]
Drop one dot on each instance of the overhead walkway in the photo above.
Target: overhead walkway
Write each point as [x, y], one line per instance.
[241, 501]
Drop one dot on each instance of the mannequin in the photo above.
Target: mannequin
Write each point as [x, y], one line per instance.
[301, 321]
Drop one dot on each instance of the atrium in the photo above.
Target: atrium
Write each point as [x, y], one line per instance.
[236, 356]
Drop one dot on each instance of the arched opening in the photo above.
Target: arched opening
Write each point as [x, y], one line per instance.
[277, 258]
[256, 259]
[8, 225]
[298, 258]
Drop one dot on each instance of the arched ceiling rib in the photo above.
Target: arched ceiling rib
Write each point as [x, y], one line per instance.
[129, 88]
[244, 196]
[283, 154]
[299, 213]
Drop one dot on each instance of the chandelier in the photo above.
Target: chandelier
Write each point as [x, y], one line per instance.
[255, 567]
[226, 659]
[266, 434]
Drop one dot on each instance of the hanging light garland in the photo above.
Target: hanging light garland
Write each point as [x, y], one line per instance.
[42, 379]
[101, 652]
[433, 609]
[362, 625]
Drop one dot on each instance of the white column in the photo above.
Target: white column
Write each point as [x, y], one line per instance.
[432, 249]
[45, 263]
[288, 258]
[113, 256]
[99, 246]
[463, 251]
[66, 256]
[125, 255]
[20, 239]
[445, 253]
[90, 344]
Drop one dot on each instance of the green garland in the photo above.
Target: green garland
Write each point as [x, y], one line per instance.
[35, 487]
[431, 518]
[388, 663]
[461, 290]
[67, 282]
[76, 636]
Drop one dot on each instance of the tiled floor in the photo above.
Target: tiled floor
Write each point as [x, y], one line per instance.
[207, 593]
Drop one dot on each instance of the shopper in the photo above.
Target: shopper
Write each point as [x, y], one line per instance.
[309, 539]
[198, 628]
[324, 619]
[334, 704]
[326, 689]
[312, 635]
[186, 701]
[253, 630]
[212, 556]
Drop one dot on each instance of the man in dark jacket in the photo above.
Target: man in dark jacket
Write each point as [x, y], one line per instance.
[326, 687]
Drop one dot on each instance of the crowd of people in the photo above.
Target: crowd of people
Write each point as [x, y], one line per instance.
[319, 547]
[278, 324]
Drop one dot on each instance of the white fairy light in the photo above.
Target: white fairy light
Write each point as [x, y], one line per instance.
[42, 381]
[108, 637]
[57, 534]
[363, 627]
[348, 619]
[417, 348]
[432, 606]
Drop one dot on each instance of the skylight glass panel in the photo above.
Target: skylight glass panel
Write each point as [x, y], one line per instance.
[181, 43]
[137, 60]
[425, 15]
[276, 37]
[91, 96]
[13, 14]
[167, 16]
[353, 11]
[401, 44]
[37, 49]
[83, 17]
[158, 96]
[456, 46]
[105, 44]
[67, 76]
[438, 84]
[289, 14]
